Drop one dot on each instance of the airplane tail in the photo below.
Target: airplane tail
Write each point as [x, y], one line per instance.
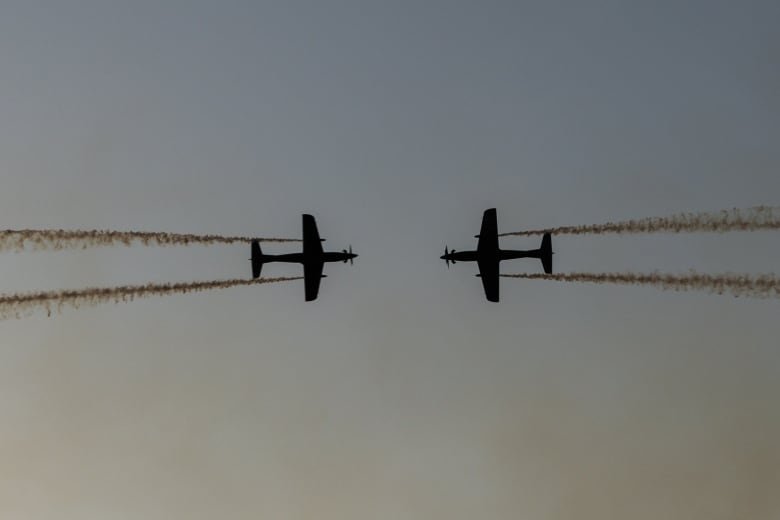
[257, 259]
[546, 253]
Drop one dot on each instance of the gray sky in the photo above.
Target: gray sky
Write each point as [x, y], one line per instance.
[400, 393]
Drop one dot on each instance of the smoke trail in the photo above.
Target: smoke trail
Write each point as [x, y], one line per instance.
[750, 219]
[759, 286]
[56, 239]
[22, 304]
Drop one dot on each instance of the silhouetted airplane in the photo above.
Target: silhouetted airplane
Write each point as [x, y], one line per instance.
[313, 258]
[488, 255]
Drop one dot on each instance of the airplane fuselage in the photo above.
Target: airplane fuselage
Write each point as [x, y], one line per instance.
[302, 258]
[495, 254]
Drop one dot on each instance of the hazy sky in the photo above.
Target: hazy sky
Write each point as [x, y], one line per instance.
[401, 392]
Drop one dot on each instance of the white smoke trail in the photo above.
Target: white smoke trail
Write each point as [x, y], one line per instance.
[56, 239]
[750, 219]
[21, 304]
[758, 286]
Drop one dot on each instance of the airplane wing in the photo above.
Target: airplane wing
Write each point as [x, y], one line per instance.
[488, 234]
[312, 274]
[488, 273]
[312, 245]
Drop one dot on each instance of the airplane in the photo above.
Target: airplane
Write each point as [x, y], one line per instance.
[313, 258]
[488, 254]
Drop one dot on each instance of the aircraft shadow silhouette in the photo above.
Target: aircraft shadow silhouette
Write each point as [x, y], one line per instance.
[489, 255]
[313, 258]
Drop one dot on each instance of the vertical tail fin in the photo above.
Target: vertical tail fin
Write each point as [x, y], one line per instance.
[547, 253]
[257, 259]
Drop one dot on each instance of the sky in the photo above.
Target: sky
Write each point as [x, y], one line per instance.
[400, 392]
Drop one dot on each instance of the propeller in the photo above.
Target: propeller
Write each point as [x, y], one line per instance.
[350, 258]
[447, 258]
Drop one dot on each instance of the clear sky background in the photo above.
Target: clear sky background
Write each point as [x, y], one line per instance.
[401, 392]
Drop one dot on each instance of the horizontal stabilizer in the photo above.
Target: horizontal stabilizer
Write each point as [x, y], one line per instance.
[546, 251]
[257, 259]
